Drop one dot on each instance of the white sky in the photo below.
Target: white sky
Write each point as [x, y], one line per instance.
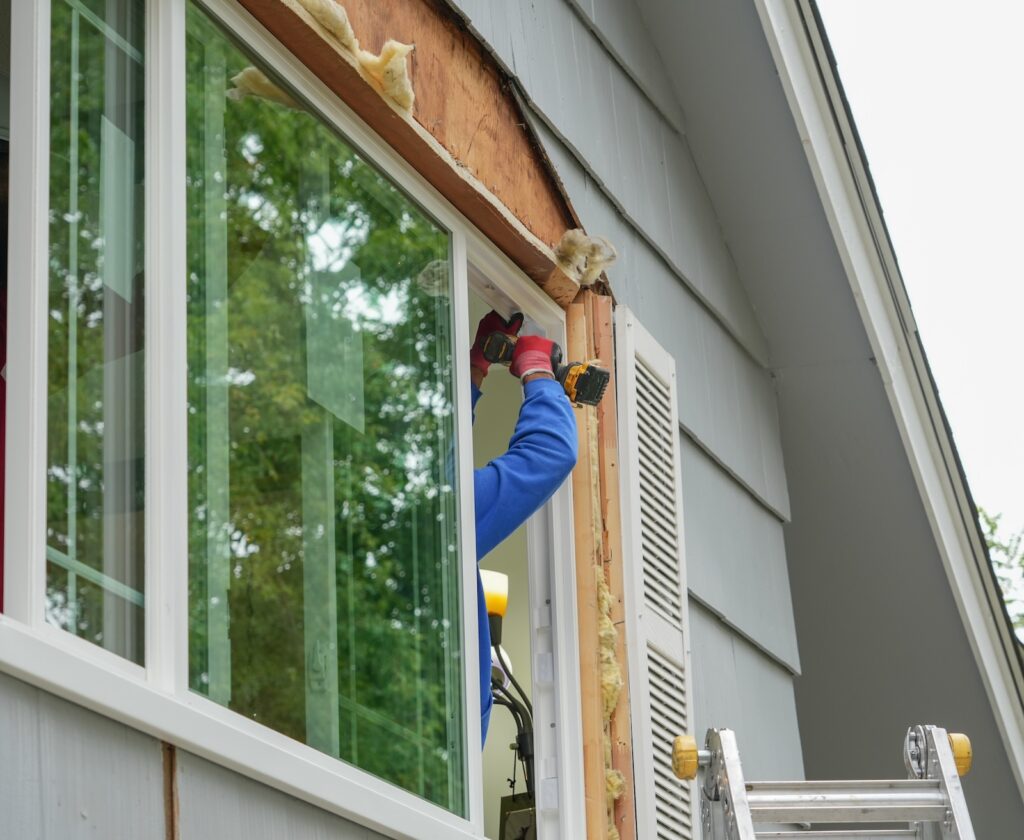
[937, 91]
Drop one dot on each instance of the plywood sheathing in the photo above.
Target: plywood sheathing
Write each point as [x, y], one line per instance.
[467, 137]
[464, 100]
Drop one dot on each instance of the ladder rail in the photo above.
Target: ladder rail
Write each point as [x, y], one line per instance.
[846, 802]
[849, 834]
[928, 806]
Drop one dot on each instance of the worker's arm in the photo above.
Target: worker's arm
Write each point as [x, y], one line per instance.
[540, 456]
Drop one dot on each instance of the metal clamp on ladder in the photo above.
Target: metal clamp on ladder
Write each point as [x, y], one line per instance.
[928, 805]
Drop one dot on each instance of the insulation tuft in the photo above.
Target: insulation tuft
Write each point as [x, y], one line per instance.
[254, 82]
[584, 257]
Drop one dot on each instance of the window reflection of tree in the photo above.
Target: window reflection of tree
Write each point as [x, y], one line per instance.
[396, 600]
[95, 474]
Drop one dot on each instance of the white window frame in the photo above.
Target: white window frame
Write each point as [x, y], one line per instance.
[554, 646]
[156, 698]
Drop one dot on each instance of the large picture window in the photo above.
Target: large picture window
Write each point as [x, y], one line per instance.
[323, 562]
[240, 409]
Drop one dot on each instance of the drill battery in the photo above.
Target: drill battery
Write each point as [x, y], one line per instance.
[584, 382]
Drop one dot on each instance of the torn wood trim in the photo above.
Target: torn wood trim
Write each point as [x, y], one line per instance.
[170, 771]
[490, 173]
[602, 331]
[586, 514]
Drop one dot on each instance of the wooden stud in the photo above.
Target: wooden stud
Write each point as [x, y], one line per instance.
[602, 330]
[586, 512]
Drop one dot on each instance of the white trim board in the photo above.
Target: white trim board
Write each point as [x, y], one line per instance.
[855, 220]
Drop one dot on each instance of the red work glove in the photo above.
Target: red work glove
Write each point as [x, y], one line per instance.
[492, 322]
[533, 354]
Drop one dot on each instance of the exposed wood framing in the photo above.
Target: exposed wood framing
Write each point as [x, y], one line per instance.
[599, 551]
[587, 526]
[612, 556]
[466, 137]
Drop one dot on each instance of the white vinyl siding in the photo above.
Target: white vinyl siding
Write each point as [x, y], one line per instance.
[658, 627]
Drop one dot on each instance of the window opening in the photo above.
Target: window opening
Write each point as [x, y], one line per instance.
[323, 563]
[95, 465]
[495, 420]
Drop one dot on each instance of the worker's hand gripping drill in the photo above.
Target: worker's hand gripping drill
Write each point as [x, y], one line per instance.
[584, 382]
[491, 324]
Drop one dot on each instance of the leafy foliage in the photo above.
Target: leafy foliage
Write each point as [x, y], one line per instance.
[1007, 553]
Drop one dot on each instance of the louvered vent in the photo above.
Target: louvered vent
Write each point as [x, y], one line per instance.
[655, 586]
[668, 718]
[659, 533]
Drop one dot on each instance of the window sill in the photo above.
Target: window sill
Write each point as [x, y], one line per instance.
[60, 664]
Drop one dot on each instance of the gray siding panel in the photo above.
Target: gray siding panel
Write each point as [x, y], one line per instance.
[75, 774]
[216, 804]
[882, 640]
[737, 686]
[619, 26]
[726, 399]
[577, 87]
[71, 774]
[736, 556]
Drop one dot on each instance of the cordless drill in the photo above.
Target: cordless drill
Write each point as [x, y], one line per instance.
[584, 382]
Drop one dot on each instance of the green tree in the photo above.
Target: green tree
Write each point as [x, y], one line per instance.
[1007, 553]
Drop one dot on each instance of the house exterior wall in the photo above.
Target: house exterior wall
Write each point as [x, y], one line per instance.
[598, 99]
[76, 774]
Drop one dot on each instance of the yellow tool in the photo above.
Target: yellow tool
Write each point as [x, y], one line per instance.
[584, 382]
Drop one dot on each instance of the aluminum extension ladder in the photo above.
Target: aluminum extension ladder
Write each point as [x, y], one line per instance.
[928, 805]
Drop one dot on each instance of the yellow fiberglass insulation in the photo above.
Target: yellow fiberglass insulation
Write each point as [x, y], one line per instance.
[253, 82]
[584, 257]
[333, 17]
[389, 70]
[611, 674]
[611, 687]
[615, 784]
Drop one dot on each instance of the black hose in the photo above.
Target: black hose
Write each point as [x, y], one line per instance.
[508, 672]
[513, 705]
[524, 730]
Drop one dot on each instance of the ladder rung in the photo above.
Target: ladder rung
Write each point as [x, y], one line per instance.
[873, 834]
[853, 801]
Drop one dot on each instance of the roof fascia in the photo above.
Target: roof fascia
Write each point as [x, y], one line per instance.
[800, 51]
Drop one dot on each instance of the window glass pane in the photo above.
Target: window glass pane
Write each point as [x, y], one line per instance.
[95, 422]
[323, 570]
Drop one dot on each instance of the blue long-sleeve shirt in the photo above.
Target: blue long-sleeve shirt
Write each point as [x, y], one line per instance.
[510, 488]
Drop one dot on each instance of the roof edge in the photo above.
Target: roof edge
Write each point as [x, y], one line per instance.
[807, 71]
